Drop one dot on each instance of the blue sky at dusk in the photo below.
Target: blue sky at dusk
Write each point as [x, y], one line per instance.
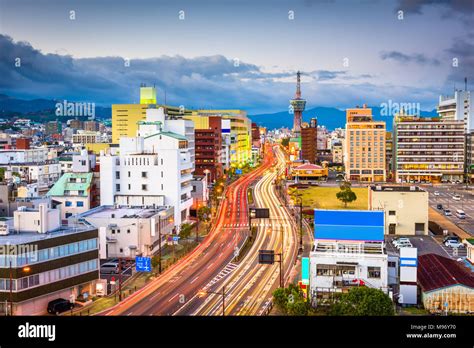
[241, 54]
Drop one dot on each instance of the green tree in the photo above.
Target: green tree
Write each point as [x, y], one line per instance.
[346, 195]
[204, 213]
[155, 260]
[291, 301]
[363, 301]
[285, 142]
[185, 230]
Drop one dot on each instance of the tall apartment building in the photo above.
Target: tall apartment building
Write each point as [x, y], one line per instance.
[470, 157]
[309, 141]
[428, 149]
[389, 154]
[53, 127]
[337, 153]
[153, 168]
[91, 126]
[45, 260]
[458, 107]
[365, 146]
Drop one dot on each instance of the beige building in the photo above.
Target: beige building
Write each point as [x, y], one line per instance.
[337, 153]
[406, 208]
[365, 146]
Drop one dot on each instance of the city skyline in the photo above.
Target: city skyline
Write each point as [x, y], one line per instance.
[238, 53]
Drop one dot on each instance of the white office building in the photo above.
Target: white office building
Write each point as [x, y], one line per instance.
[152, 169]
[458, 107]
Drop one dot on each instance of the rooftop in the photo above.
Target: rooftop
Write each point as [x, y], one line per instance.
[437, 272]
[396, 188]
[122, 212]
[308, 166]
[67, 182]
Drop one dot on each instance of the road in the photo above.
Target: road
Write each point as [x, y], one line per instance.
[209, 263]
[446, 193]
[249, 287]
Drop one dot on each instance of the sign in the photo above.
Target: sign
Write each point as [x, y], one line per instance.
[143, 264]
[175, 238]
[112, 281]
[259, 213]
[266, 257]
[238, 171]
[305, 270]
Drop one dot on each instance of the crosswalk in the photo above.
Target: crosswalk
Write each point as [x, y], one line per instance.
[235, 225]
[222, 274]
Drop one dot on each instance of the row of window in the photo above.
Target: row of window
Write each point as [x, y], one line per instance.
[338, 270]
[43, 255]
[144, 187]
[78, 203]
[49, 277]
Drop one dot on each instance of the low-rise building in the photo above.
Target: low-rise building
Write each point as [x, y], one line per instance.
[405, 208]
[132, 231]
[309, 172]
[45, 260]
[348, 251]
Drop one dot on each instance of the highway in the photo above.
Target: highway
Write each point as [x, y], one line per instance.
[207, 265]
[248, 288]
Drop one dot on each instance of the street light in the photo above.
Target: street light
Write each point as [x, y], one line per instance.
[221, 293]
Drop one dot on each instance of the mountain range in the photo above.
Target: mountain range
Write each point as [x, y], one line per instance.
[44, 109]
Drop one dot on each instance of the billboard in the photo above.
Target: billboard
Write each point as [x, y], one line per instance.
[358, 225]
[305, 270]
[225, 126]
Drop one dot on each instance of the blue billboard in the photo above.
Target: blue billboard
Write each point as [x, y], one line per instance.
[142, 264]
[359, 225]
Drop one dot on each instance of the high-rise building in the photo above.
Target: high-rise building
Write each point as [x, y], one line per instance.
[153, 168]
[459, 107]
[309, 142]
[470, 157]
[389, 154]
[337, 153]
[208, 147]
[297, 105]
[53, 127]
[428, 149]
[91, 126]
[365, 146]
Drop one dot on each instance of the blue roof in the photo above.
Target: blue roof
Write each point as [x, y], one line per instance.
[360, 225]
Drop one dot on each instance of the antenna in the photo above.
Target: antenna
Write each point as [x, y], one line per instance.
[465, 83]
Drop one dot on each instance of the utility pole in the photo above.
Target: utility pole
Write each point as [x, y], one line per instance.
[223, 300]
[11, 288]
[120, 279]
[159, 241]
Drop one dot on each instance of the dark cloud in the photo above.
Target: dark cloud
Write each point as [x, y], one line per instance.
[408, 58]
[462, 51]
[465, 7]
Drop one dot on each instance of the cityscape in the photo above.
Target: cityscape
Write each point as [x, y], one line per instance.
[173, 167]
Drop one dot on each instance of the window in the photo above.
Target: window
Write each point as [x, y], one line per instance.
[117, 187]
[121, 250]
[129, 186]
[128, 174]
[144, 187]
[128, 230]
[79, 204]
[373, 272]
[391, 212]
[68, 204]
[117, 175]
[144, 175]
[392, 264]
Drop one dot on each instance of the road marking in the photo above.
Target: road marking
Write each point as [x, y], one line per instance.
[173, 297]
[192, 281]
[129, 314]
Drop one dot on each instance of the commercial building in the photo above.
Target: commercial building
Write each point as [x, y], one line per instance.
[131, 231]
[309, 141]
[428, 149]
[348, 251]
[365, 146]
[86, 137]
[45, 260]
[405, 208]
[389, 155]
[309, 173]
[151, 169]
[53, 128]
[458, 107]
[337, 153]
[446, 286]
[469, 157]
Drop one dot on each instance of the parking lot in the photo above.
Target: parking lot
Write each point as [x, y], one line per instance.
[445, 198]
[428, 245]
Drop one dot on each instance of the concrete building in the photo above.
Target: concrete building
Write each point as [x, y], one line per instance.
[428, 149]
[348, 251]
[46, 260]
[445, 285]
[309, 141]
[337, 153]
[86, 137]
[458, 107]
[470, 157]
[131, 231]
[365, 146]
[151, 169]
[308, 173]
[53, 128]
[405, 208]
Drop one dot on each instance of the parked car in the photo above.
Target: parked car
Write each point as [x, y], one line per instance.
[439, 206]
[454, 244]
[454, 238]
[457, 197]
[436, 193]
[109, 267]
[404, 245]
[447, 212]
[59, 305]
[460, 214]
[400, 240]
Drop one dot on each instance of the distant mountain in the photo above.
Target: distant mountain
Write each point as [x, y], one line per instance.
[39, 109]
[332, 118]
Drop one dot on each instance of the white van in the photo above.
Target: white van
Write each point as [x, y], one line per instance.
[460, 214]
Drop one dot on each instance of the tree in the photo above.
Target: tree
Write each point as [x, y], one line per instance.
[285, 142]
[204, 213]
[346, 195]
[185, 230]
[363, 301]
[291, 301]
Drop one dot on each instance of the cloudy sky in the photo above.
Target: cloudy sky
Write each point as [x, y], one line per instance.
[239, 54]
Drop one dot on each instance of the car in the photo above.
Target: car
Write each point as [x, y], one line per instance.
[404, 245]
[454, 238]
[436, 193]
[460, 214]
[453, 244]
[457, 197]
[59, 305]
[400, 240]
[109, 267]
[439, 206]
[447, 212]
